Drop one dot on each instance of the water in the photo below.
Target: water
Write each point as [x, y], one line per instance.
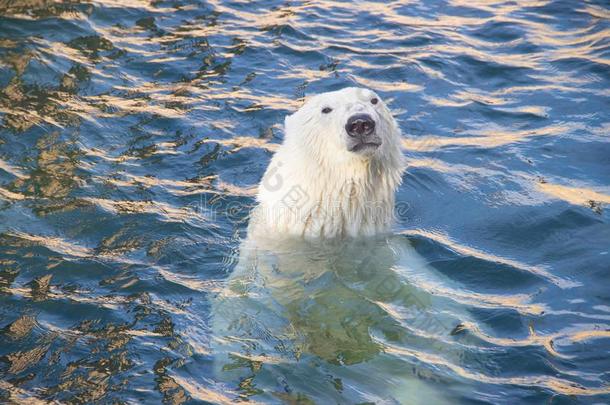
[133, 136]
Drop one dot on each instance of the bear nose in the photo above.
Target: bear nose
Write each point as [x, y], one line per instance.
[360, 125]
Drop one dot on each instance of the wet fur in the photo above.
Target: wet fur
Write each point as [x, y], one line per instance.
[315, 188]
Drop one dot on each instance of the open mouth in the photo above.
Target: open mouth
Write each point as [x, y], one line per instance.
[364, 146]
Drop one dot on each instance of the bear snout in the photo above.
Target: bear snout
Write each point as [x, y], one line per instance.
[362, 138]
[360, 125]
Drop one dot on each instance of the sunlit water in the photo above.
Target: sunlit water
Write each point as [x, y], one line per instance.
[132, 138]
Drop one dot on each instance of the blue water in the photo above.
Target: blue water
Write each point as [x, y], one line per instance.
[132, 138]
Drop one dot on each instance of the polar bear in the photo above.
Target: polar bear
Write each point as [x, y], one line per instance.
[336, 172]
[309, 313]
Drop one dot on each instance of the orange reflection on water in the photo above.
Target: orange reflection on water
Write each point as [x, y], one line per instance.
[574, 195]
[491, 136]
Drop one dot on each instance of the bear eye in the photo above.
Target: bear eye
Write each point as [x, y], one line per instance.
[374, 100]
[326, 110]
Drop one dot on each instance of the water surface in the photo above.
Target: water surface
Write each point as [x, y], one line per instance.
[132, 138]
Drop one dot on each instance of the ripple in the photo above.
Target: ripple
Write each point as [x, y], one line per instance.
[472, 252]
[555, 385]
[164, 210]
[55, 244]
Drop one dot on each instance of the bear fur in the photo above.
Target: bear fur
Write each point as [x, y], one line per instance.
[315, 187]
[306, 305]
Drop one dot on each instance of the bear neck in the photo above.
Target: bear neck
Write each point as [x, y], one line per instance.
[330, 199]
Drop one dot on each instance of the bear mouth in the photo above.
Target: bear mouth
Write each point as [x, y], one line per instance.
[362, 146]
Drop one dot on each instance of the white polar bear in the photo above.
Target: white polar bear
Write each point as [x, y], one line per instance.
[317, 306]
[336, 172]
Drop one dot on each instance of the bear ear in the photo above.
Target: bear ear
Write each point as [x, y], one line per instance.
[288, 121]
[289, 118]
